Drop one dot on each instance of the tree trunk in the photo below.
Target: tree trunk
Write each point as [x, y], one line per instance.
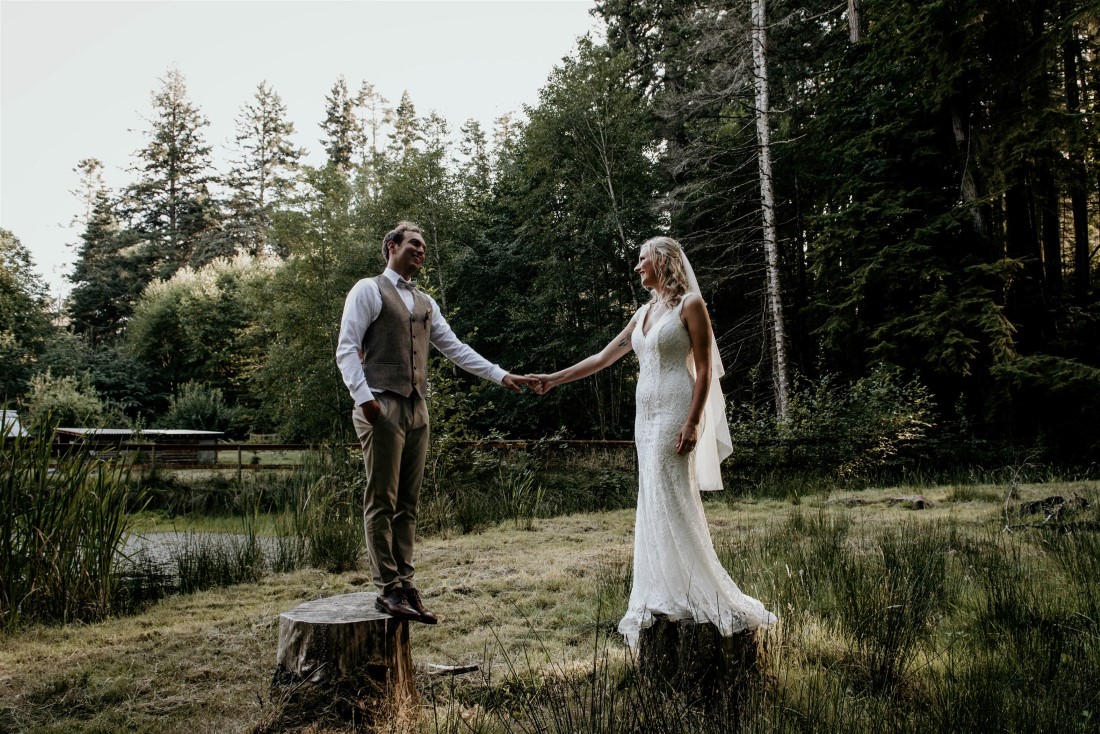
[1051, 232]
[767, 202]
[1078, 183]
[971, 186]
[341, 657]
[696, 661]
[855, 20]
[1024, 302]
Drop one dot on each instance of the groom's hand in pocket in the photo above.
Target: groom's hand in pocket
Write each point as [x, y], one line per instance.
[371, 411]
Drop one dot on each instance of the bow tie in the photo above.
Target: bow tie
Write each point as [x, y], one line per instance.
[410, 284]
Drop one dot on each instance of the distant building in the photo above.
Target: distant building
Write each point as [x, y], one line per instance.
[10, 425]
[161, 446]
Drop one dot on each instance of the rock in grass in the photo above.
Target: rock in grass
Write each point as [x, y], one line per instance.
[910, 502]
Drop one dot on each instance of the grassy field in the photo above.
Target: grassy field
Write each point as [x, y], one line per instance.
[892, 619]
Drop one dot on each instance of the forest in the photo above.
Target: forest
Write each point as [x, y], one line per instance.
[915, 268]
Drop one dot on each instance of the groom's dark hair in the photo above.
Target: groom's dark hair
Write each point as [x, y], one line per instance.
[397, 236]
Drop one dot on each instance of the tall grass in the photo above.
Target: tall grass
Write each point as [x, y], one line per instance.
[208, 560]
[919, 627]
[331, 501]
[482, 488]
[62, 524]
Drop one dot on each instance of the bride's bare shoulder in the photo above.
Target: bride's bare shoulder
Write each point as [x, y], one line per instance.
[693, 302]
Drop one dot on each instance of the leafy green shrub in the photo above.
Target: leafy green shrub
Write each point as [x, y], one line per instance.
[62, 401]
[200, 408]
[847, 431]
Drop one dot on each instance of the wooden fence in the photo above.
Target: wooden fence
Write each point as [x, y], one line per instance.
[147, 455]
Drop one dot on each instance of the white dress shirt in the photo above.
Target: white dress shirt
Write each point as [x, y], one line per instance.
[362, 307]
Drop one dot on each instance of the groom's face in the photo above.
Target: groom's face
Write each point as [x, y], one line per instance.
[407, 257]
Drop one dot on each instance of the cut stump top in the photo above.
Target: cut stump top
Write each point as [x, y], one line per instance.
[342, 609]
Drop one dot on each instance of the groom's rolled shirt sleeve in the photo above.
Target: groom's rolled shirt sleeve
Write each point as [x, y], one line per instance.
[361, 308]
[443, 338]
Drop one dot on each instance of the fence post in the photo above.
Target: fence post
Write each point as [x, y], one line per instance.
[239, 480]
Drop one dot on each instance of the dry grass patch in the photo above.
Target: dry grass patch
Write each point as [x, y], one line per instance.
[531, 602]
[203, 662]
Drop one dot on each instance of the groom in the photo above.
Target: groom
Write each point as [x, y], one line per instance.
[382, 353]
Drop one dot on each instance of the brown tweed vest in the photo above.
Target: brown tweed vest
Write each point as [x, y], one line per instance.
[395, 346]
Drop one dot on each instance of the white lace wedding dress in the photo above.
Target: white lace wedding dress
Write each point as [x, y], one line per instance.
[676, 571]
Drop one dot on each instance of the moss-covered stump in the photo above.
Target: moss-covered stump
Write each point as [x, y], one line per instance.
[340, 657]
[697, 661]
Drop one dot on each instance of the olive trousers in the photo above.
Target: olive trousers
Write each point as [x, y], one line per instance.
[394, 451]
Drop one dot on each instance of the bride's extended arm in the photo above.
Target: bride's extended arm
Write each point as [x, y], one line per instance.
[615, 350]
[697, 321]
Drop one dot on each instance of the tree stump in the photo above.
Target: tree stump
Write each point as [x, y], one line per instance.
[697, 661]
[341, 656]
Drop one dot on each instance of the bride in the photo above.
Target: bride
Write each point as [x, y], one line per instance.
[681, 435]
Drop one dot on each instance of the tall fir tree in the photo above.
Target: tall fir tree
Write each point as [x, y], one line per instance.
[90, 171]
[263, 171]
[24, 324]
[112, 267]
[344, 137]
[171, 198]
[407, 130]
[299, 386]
[551, 280]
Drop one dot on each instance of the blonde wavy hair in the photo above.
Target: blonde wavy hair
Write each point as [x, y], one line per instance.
[668, 266]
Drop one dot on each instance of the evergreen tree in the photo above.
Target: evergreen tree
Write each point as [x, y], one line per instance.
[476, 164]
[171, 198]
[90, 171]
[377, 113]
[420, 185]
[406, 127]
[693, 60]
[24, 325]
[111, 269]
[344, 138]
[551, 280]
[262, 174]
[923, 165]
[937, 242]
[298, 385]
[120, 378]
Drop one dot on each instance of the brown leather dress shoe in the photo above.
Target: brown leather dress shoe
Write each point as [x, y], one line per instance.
[413, 598]
[395, 605]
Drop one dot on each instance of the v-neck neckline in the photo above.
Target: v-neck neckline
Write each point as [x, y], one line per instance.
[655, 324]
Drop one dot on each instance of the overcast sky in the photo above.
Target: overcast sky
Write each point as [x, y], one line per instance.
[76, 79]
